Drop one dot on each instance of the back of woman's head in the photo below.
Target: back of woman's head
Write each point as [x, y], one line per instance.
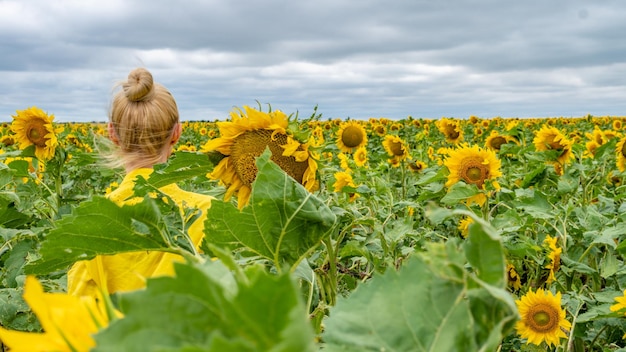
[143, 117]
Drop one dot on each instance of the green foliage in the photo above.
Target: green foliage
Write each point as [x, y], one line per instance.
[203, 308]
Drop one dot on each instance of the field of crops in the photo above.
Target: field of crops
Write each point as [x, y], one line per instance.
[479, 234]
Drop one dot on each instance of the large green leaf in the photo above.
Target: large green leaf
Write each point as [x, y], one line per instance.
[193, 311]
[483, 251]
[99, 226]
[425, 306]
[282, 223]
[181, 166]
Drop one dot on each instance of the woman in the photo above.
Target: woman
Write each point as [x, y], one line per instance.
[144, 125]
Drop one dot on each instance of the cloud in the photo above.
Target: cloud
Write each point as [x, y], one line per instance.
[351, 59]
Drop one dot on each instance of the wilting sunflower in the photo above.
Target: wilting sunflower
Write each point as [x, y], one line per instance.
[34, 127]
[245, 138]
[542, 318]
[475, 166]
[550, 138]
[620, 155]
[554, 255]
[395, 147]
[451, 130]
[351, 136]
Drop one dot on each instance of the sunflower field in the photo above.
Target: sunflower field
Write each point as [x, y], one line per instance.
[479, 234]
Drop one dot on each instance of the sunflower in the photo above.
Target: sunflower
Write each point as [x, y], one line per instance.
[620, 306]
[360, 156]
[542, 318]
[344, 179]
[380, 130]
[395, 147]
[7, 140]
[351, 136]
[473, 165]
[495, 140]
[554, 255]
[344, 162]
[620, 154]
[450, 129]
[34, 127]
[417, 166]
[550, 138]
[244, 138]
[513, 279]
[464, 226]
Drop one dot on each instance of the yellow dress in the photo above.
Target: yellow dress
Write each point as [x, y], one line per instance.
[129, 271]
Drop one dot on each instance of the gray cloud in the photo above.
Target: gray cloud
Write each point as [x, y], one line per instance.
[352, 59]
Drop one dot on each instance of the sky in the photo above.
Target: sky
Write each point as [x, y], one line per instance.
[353, 59]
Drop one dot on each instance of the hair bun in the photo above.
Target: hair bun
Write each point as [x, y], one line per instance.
[139, 85]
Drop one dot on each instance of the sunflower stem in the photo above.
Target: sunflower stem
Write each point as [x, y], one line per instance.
[332, 271]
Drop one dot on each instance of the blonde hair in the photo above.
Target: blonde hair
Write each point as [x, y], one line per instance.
[143, 115]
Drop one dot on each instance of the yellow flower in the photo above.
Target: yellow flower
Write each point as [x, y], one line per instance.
[620, 155]
[344, 179]
[550, 138]
[620, 306]
[542, 318]
[395, 147]
[495, 140]
[344, 162]
[621, 303]
[554, 255]
[351, 136]
[450, 129]
[360, 156]
[68, 321]
[244, 138]
[464, 226]
[417, 166]
[513, 279]
[34, 127]
[474, 166]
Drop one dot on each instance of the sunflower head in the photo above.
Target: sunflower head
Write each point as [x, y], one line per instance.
[473, 165]
[351, 136]
[495, 140]
[395, 147]
[450, 129]
[542, 318]
[34, 127]
[244, 138]
[360, 156]
[549, 138]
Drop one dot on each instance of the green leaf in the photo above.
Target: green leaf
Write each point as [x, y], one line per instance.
[485, 254]
[283, 221]
[15, 313]
[458, 192]
[181, 166]
[194, 312]
[533, 203]
[99, 226]
[421, 307]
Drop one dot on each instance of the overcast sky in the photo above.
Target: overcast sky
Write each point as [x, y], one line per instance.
[352, 58]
